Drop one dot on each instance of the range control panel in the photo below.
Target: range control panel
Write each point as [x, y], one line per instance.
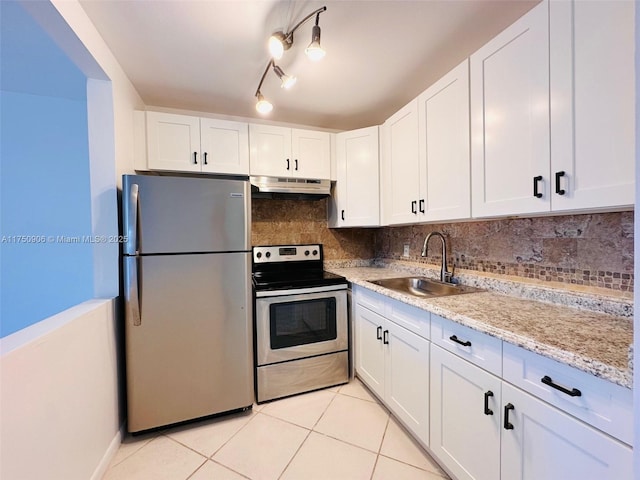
[287, 253]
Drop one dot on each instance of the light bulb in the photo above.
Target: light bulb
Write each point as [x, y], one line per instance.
[288, 82]
[276, 47]
[263, 106]
[314, 51]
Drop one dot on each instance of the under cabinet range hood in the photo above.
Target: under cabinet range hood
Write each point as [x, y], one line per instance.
[289, 188]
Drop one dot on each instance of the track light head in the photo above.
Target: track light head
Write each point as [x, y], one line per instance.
[314, 51]
[278, 43]
[287, 81]
[263, 105]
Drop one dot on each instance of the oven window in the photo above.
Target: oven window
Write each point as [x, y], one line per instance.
[302, 322]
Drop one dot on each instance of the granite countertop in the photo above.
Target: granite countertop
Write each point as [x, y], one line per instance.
[585, 335]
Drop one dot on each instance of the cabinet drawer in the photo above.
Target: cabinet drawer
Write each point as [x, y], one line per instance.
[605, 405]
[370, 300]
[478, 348]
[412, 318]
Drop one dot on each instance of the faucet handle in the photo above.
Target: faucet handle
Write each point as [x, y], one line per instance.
[448, 276]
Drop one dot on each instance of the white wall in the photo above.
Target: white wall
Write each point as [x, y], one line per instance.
[59, 397]
[60, 385]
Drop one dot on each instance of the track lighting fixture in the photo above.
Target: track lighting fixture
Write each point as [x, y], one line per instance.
[280, 42]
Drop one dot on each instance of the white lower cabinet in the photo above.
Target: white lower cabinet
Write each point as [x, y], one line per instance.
[465, 417]
[394, 363]
[543, 442]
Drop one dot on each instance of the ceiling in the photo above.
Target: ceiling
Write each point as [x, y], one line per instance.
[209, 55]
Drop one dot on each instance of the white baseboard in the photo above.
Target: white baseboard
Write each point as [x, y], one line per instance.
[102, 467]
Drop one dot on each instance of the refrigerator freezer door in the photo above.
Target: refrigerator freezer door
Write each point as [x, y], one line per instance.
[164, 214]
[191, 355]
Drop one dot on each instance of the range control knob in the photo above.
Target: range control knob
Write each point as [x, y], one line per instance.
[306, 253]
[268, 254]
[315, 252]
[259, 254]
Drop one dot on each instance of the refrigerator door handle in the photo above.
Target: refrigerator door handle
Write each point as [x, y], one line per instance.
[132, 221]
[132, 291]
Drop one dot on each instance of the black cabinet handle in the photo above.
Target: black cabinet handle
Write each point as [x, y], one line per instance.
[296, 161]
[421, 207]
[487, 395]
[379, 333]
[507, 424]
[204, 158]
[288, 166]
[465, 343]
[536, 180]
[385, 337]
[559, 175]
[574, 392]
[413, 207]
[342, 214]
[195, 158]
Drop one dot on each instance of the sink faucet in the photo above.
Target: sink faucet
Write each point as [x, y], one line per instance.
[445, 275]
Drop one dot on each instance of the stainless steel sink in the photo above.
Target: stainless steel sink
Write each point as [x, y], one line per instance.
[424, 287]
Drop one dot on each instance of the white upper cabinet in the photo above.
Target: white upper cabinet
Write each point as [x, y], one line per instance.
[356, 197]
[401, 166]
[191, 144]
[224, 146]
[445, 169]
[173, 142]
[285, 152]
[510, 119]
[592, 106]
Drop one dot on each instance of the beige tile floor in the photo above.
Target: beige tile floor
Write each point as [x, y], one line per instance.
[341, 433]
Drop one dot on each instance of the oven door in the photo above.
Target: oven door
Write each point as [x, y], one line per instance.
[300, 325]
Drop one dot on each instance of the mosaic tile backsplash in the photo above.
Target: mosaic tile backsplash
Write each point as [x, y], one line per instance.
[590, 249]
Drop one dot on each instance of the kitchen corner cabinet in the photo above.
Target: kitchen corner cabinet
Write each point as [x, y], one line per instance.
[592, 108]
[444, 151]
[510, 119]
[184, 143]
[289, 152]
[400, 166]
[394, 361]
[356, 196]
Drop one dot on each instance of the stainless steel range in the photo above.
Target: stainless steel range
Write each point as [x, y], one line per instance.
[301, 322]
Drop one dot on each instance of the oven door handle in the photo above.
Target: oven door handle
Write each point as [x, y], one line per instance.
[300, 291]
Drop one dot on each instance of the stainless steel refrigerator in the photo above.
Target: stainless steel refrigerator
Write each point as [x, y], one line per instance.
[188, 305]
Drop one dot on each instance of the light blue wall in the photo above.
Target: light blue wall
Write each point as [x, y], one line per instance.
[44, 176]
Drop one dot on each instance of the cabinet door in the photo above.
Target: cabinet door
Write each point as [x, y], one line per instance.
[270, 150]
[407, 378]
[173, 142]
[224, 146]
[445, 191]
[358, 187]
[547, 443]
[369, 350]
[592, 108]
[400, 160]
[510, 119]
[311, 154]
[464, 436]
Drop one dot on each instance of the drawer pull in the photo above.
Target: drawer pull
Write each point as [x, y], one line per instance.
[487, 410]
[507, 424]
[385, 337]
[379, 333]
[574, 392]
[454, 338]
